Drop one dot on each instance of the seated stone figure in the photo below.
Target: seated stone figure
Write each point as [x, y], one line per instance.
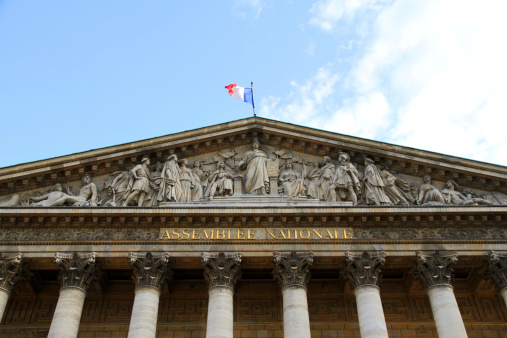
[428, 194]
[47, 199]
[220, 182]
[290, 182]
[87, 195]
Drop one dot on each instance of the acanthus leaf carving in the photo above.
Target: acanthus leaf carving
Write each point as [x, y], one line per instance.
[495, 269]
[292, 268]
[221, 269]
[150, 270]
[365, 268]
[78, 270]
[435, 269]
[11, 272]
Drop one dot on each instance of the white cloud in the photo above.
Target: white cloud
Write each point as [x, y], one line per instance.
[310, 50]
[255, 5]
[430, 75]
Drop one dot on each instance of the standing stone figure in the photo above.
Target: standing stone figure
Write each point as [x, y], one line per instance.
[326, 179]
[170, 187]
[186, 182]
[256, 176]
[397, 190]
[290, 182]
[142, 182]
[346, 185]
[88, 195]
[220, 182]
[374, 187]
[49, 198]
[201, 178]
[428, 194]
[313, 182]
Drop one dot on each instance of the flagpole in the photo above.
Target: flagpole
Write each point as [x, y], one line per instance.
[253, 102]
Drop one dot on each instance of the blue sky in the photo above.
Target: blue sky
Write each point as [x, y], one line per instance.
[76, 76]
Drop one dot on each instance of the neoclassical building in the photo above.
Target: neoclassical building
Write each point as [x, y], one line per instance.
[253, 228]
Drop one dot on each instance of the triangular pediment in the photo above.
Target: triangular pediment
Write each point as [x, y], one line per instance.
[231, 142]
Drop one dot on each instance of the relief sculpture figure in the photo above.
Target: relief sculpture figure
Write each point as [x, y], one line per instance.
[220, 182]
[170, 187]
[186, 182]
[87, 195]
[313, 182]
[256, 177]
[374, 187]
[452, 196]
[428, 194]
[290, 182]
[346, 185]
[326, 179]
[397, 190]
[116, 188]
[49, 198]
[201, 181]
[142, 182]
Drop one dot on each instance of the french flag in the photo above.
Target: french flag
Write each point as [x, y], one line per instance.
[245, 94]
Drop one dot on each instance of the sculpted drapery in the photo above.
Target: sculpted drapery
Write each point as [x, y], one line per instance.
[170, 187]
[291, 183]
[374, 187]
[256, 177]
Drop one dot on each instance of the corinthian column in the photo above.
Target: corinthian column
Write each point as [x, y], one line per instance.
[77, 275]
[363, 272]
[495, 270]
[150, 273]
[435, 273]
[221, 272]
[292, 271]
[10, 274]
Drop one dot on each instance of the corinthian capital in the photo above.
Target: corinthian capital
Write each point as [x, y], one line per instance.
[150, 270]
[78, 270]
[221, 269]
[10, 271]
[292, 268]
[364, 269]
[495, 269]
[436, 269]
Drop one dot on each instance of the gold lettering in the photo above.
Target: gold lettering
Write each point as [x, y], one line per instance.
[241, 233]
[251, 233]
[196, 233]
[336, 234]
[316, 233]
[176, 232]
[307, 233]
[220, 234]
[229, 234]
[166, 235]
[328, 233]
[270, 233]
[347, 233]
[296, 233]
[205, 234]
[186, 233]
[280, 232]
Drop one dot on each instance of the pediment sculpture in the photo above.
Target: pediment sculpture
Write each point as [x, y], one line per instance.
[255, 171]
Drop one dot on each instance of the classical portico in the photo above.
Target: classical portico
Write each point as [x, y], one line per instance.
[253, 228]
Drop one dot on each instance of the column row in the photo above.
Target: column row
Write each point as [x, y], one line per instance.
[222, 271]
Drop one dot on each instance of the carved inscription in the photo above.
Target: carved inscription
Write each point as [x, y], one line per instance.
[255, 234]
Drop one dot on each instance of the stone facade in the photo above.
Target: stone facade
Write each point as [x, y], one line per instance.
[216, 232]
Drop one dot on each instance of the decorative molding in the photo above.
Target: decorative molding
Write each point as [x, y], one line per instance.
[435, 269]
[11, 272]
[292, 268]
[78, 270]
[150, 270]
[221, 269]
[495, 269]
[364, 269]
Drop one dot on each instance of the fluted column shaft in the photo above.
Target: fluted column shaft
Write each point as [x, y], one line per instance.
[364, 274]
[221, 272]
[150, 273]
[10, 273]
[435, 272]
[77, 275]
[292, 271]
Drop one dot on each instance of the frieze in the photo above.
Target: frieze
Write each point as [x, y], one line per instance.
[153, 234]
